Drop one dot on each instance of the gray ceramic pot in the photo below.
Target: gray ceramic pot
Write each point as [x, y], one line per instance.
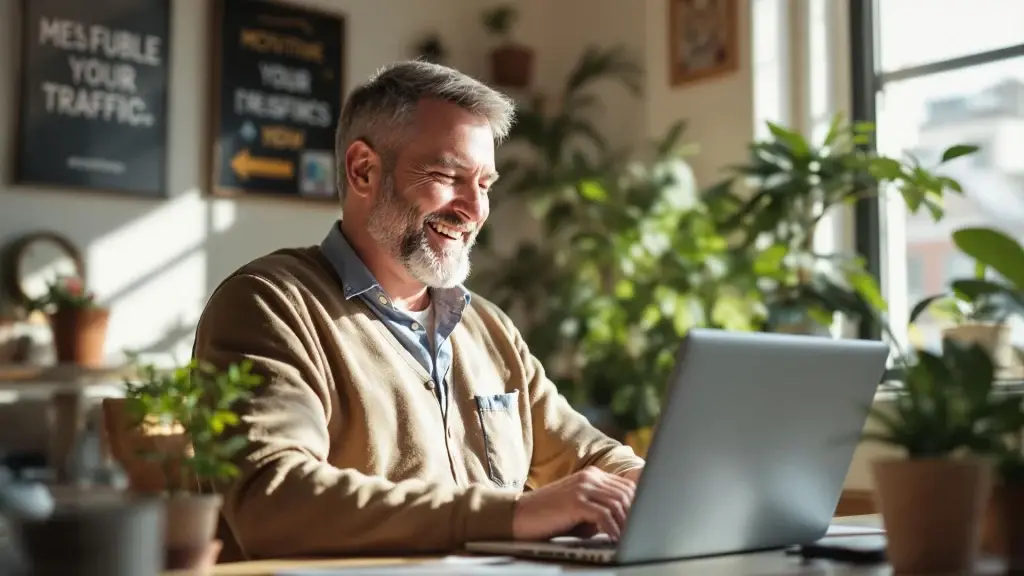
[122, 537]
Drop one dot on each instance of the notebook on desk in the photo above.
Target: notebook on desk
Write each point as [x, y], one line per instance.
[750, 453]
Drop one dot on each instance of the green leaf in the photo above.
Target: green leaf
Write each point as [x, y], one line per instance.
[957, 151]
[995, 249]
[923, 305]
[769, 261]
[592, 191]
[866, 285]
[792, 139]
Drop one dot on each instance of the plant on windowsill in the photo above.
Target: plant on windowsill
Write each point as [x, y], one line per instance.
[944, 418]
[78, 323]
[998, 296]
[171, 434]
[776, 201]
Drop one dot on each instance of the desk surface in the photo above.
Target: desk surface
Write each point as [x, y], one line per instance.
[762, 564]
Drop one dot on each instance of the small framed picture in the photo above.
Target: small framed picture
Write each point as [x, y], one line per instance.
[703, 39]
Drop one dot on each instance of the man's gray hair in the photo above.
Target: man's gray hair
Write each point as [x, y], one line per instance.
[380, 109]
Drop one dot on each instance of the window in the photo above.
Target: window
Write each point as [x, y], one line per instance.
[931, 76]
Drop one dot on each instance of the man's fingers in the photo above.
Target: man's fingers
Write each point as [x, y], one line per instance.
[616, 500]
[600, 514]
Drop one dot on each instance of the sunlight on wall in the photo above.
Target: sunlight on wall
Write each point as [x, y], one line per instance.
[223, 215]
[152, 272]
[770, 56]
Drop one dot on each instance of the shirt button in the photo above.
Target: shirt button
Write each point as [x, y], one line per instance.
[382, 299]
[415, 326]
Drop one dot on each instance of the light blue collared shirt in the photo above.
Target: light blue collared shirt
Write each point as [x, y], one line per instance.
[449, 304]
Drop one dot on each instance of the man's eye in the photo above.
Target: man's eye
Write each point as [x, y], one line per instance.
[442, 177]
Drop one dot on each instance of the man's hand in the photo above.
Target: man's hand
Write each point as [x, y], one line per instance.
[588, 500]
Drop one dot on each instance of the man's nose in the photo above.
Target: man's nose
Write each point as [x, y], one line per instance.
[471, 204]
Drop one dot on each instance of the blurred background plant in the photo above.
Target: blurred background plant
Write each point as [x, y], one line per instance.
[628, 258]
[775, 202]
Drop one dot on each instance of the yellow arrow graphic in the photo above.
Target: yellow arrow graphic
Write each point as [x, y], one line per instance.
[247, 166]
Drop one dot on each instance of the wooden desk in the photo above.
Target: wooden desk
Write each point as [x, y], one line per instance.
[761, 564]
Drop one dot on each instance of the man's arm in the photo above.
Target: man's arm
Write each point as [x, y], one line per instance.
[564, 441]
[288, 500]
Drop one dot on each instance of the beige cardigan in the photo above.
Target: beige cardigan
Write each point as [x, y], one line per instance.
[348, 449]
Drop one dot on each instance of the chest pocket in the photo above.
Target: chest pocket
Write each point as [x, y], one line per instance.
[502, 429]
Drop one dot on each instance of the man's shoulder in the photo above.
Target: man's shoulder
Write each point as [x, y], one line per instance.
[288, 271]
[489, 314]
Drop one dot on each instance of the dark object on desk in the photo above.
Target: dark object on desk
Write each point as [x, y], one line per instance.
[848, 549]
[112, 537]
[22, 464]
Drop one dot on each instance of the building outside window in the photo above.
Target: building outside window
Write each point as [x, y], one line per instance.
[926, 92]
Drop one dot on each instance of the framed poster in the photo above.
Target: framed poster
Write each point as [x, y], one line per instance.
[277, 95]
[703, 39]
[92, 107]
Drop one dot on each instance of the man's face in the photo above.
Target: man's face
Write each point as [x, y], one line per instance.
[433, 202]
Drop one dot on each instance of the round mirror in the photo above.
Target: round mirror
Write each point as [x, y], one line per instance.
[34, 260]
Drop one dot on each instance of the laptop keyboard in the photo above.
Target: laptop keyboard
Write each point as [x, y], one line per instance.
[592, 544]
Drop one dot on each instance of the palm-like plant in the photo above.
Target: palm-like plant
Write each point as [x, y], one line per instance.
[565, 144]
[777, 199]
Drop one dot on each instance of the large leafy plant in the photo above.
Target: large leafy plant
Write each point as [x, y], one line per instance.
[563, 145]
[982, 298]
[199, 399]
[630, 261]
[775, 202]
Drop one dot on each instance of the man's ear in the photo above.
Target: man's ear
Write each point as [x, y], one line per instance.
[362, 169]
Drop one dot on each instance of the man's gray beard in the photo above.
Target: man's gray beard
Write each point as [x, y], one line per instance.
[396, 225]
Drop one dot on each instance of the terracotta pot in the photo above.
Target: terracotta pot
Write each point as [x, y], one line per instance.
[993, 535]
[127, 444]
[1010, 513]
[79, 335]
[189, 542]
[932, 510]
[512, 66]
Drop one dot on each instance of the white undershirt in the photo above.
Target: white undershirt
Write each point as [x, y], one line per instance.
[425, 318]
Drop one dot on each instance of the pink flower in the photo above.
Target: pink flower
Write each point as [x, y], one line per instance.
[73, 286]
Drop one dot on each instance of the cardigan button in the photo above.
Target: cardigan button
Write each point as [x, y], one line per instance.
[429, 384]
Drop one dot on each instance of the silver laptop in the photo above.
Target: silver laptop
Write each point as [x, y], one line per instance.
[751, 451]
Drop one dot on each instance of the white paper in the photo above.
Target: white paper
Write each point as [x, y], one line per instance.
[847, 530]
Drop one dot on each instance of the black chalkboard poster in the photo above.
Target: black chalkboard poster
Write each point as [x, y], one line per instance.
[93, 102]
[277, 96]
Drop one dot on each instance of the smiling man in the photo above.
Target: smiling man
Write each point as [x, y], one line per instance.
[400, 412]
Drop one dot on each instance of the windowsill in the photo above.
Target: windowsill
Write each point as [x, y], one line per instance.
[887, 393]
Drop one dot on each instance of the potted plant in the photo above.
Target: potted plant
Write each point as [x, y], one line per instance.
[78, 323]
[998, 296]
[173, 425]
[774, 204]
[431, 49]
[511, 63]
[944, 418]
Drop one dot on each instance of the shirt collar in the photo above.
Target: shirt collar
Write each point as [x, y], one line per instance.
[356, 278]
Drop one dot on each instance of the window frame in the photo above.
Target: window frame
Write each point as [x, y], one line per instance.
[866, 82]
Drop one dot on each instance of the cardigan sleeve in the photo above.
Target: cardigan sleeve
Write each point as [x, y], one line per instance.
[287, 500]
